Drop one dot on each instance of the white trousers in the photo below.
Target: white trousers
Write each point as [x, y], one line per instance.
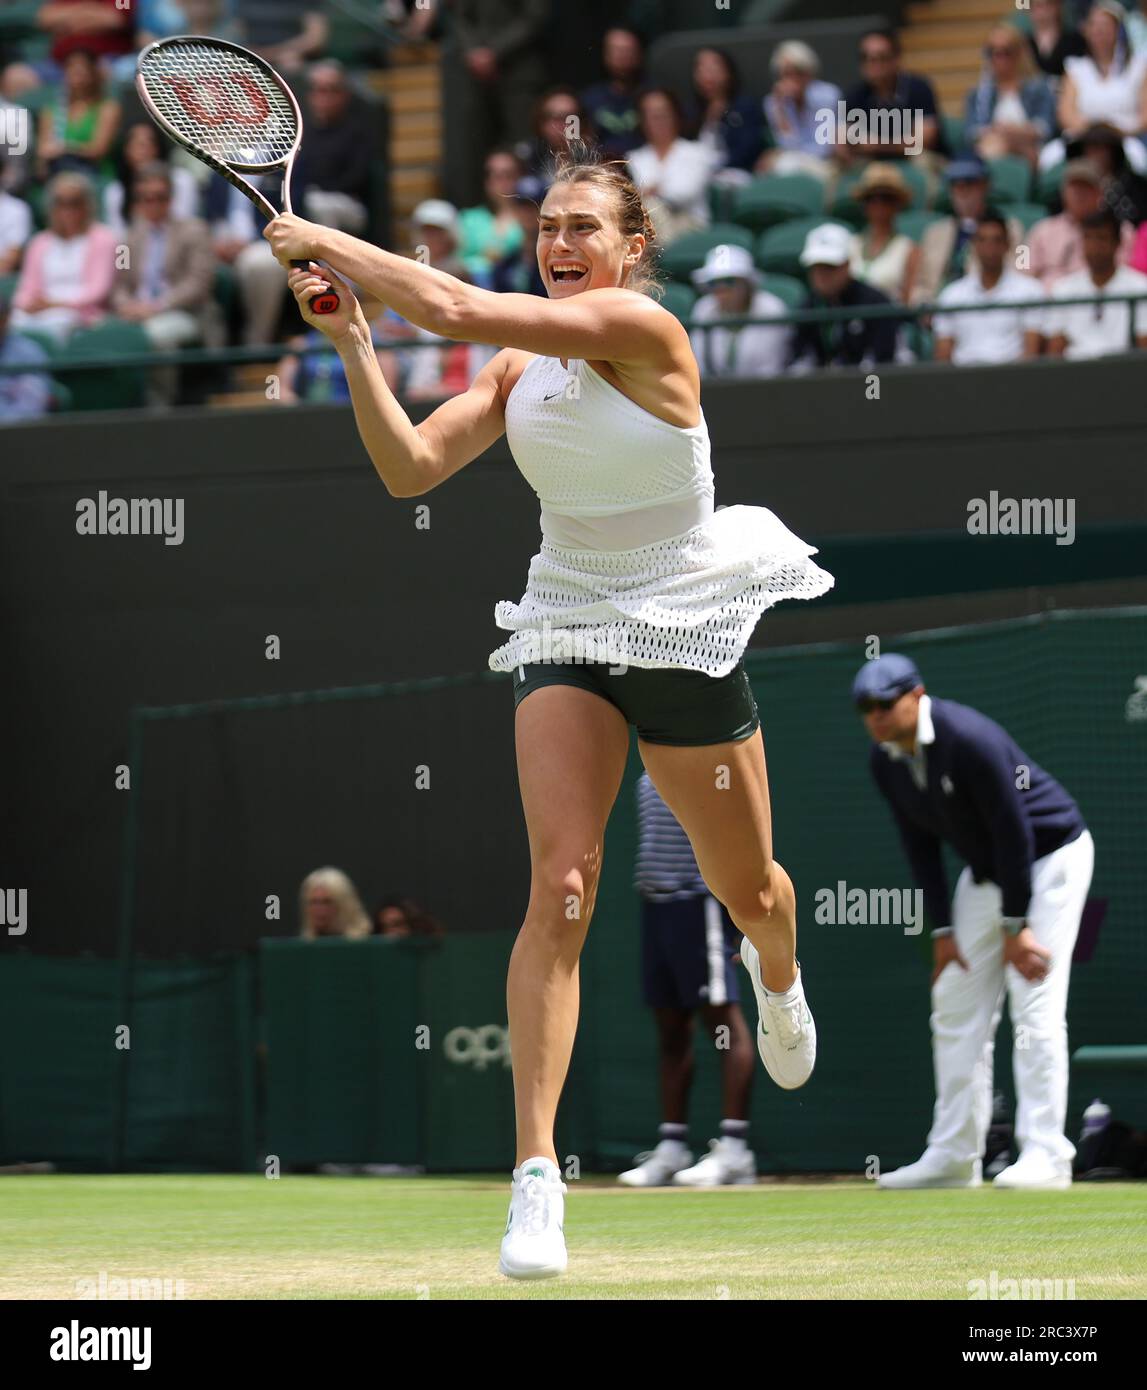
[967, 1004]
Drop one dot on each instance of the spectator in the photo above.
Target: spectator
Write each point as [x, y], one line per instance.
[886, 87]
[428, 373]
[795, 109]
[1055, 244]
[79, 126]
[69, 268]
[1083, 331]
[142, 146]
[491, 231]
[102, 27]
[399, 918]
[558, 119]
[999, 335]
[15, 227]
[213, 18]
[288, 33]
[726, 122]
[611, 106]
[501, 68]
[166, 283]
[881, 256]
[1106, 86]
[237, 240]
[517, 272]
[845, 342]
[23, 395]
[1010, 111]
[1124, 191]
[329, 905]
[316, 373]
[415, 21]
[671, 172]
[338, 142]
[731, 289]
[1138, 259]
[947, 246]
[1051, 39]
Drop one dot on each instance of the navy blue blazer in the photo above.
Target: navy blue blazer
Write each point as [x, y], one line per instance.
[971, 801]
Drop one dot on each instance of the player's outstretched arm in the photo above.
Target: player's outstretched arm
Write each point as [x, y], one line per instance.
[608, 324]
[410, 459]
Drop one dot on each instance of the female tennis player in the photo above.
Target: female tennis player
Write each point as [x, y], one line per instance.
[637, 610]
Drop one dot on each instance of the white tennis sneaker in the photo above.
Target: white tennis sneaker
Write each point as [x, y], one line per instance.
[534, 1246]
[658, 1166]
[1036, 1170]
[786, 1033]
[727, 1164]
[932, 1169]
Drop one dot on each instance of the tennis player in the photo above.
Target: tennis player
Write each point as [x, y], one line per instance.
[638, 608]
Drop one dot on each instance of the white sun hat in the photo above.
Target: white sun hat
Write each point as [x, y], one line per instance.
[726, 262]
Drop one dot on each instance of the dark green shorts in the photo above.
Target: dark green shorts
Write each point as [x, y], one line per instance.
[675, 706]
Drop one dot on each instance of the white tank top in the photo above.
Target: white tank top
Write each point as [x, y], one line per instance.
[609, 475]
[635, 568]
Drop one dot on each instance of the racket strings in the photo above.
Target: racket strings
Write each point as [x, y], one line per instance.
[221, 103]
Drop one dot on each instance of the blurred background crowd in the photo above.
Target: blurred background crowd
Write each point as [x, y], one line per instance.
[430, 128]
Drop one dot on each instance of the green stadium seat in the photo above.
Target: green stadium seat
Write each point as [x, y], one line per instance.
[775, 198]
[721, 197]
[110, 388]
[787, 288]
[953, 128]
[779, 249]
[1011, 180]
[1027, 213]
[687, 253]
[916, 221]
[679, 300]
[41, 339]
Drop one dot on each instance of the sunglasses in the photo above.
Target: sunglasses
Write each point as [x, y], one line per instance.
[1003, 52]
[866, 706]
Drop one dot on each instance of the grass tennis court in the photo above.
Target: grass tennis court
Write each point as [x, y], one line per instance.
[247, 1237]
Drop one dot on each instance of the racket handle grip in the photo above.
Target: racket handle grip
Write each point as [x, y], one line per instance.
[326, 302]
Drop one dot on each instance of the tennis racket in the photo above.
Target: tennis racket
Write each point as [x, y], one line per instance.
[230, 109]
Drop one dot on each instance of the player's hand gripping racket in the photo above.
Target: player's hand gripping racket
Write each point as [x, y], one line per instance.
[231, 109]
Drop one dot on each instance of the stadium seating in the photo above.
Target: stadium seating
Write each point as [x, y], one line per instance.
[787, 288]
[779, 249]
[1011, 180]
[687, 253]
[776, 198]
[105, 388]
[1027, 213]
[679, 300]
[915, 222]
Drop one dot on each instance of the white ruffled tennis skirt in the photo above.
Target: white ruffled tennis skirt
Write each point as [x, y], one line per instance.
[690, 601]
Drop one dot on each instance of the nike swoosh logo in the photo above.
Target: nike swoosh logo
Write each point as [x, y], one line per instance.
[551, 398]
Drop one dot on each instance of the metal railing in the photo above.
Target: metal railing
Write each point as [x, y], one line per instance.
[64, 366]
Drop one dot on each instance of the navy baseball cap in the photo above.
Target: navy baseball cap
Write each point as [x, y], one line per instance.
[965, 168]
[886, 678]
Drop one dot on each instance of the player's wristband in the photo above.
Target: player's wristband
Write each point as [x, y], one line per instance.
[1013, 925]
[938, 932]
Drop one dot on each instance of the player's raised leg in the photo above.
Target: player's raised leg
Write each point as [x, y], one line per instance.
[572, 746]
[720, 794]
